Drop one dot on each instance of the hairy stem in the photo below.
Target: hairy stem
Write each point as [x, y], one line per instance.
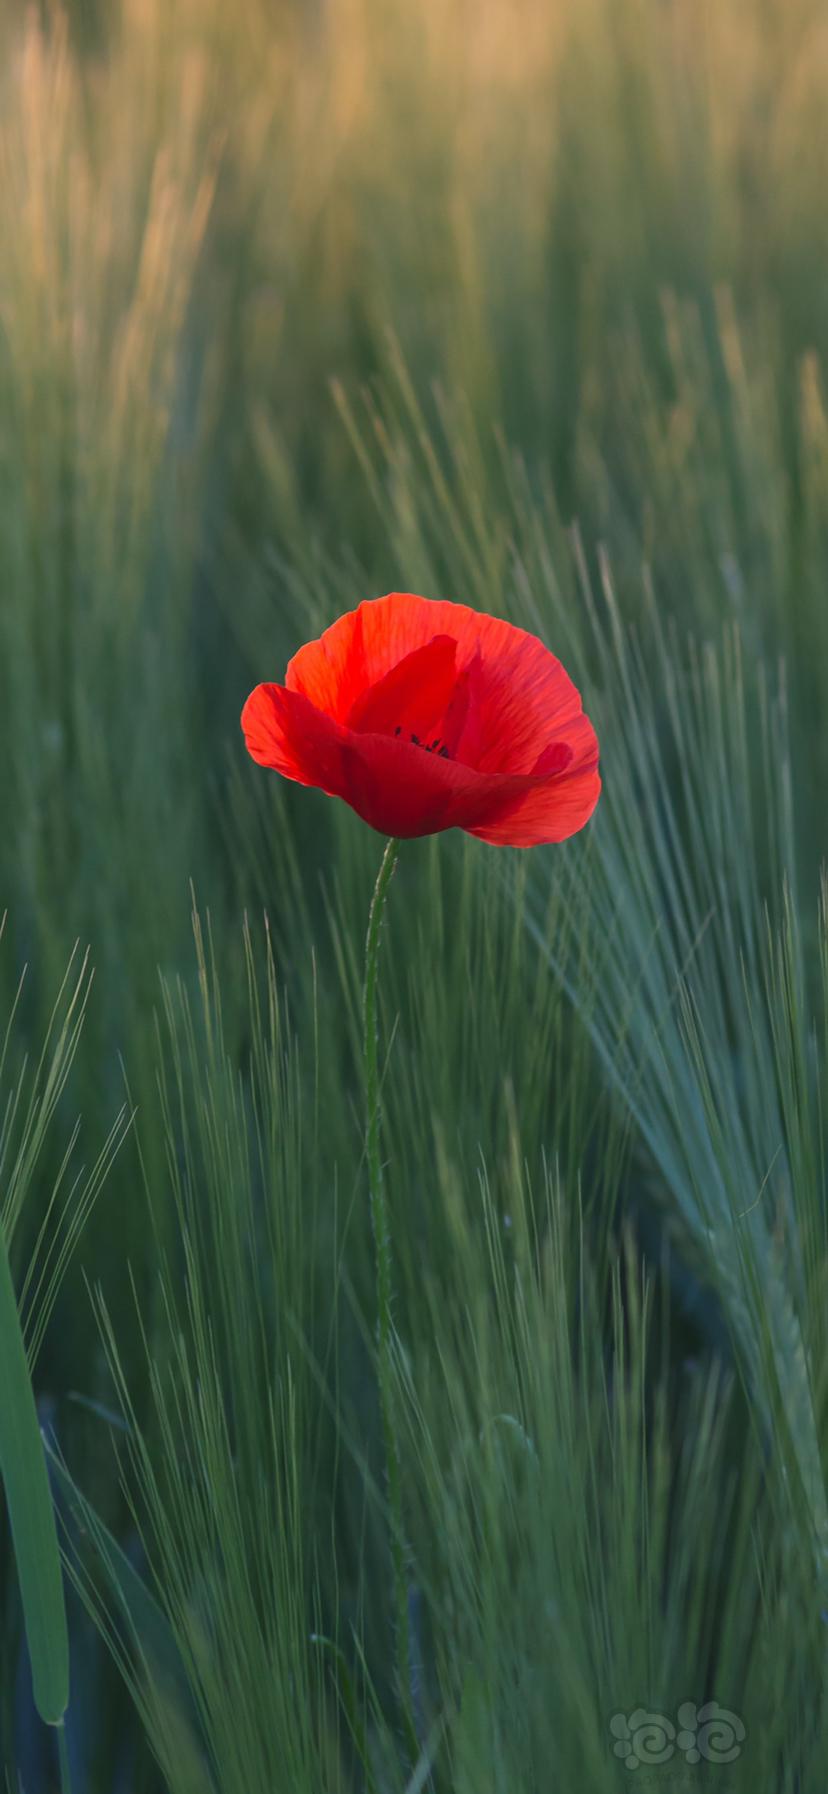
[384, 1278]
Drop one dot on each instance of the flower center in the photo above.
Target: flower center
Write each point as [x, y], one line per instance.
[429, 747]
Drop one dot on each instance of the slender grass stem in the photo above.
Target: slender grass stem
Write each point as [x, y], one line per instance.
[63, 1760]
[384, 1284]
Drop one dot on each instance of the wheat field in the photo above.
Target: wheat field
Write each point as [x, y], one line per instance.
[522, 303]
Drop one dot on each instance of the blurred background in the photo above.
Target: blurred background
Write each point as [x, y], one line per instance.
[522, 303]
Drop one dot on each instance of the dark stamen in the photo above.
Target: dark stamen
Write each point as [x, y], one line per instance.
[429, 747]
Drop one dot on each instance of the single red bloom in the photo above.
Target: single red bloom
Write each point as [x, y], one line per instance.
[425, 715]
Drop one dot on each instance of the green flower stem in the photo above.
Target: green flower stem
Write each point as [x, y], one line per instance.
[385, 1324]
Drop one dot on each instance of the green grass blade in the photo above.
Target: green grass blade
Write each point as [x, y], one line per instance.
[32, 1516]
[127, 1595]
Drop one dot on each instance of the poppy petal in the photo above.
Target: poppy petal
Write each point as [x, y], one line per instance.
[548, 812]
[401, 790]
[555, 758]
[413, 696]
[396, 787]
[558, 799]
[365, 644]
[285, 731]
[520, 695]
[524, 699]
[463, 718]
[519, 759]
[330, 671]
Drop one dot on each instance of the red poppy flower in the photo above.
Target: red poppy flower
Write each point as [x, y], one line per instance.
[425, 715]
